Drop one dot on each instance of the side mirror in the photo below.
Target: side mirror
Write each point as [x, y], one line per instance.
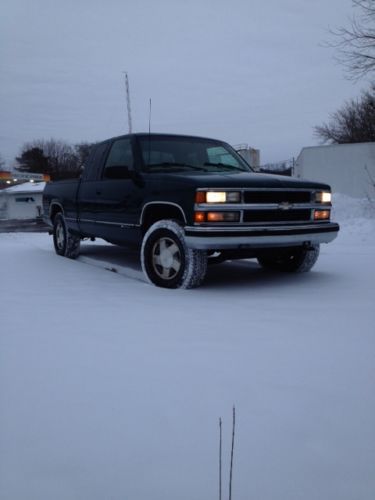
[118, 172]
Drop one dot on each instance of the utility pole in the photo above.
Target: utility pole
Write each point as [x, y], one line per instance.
[128, 102]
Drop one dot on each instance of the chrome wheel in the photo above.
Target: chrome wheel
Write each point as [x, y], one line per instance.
[66, 244]
[166, 258]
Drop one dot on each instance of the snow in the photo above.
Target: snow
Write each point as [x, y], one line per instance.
[111, 388]
[26, 187]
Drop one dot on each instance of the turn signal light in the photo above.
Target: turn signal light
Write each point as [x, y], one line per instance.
[200, 197]
[322, 214]
[200, 217]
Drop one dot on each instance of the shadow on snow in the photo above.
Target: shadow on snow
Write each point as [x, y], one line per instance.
[230, 274]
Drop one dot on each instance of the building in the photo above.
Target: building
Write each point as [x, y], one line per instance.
[23, 201]
[251, 155]
[348, 168]
[10, 178]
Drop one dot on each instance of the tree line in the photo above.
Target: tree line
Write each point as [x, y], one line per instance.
[355, 50]
[353, 122]
[57, 158]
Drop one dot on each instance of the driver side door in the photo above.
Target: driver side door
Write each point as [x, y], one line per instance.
[118, 196]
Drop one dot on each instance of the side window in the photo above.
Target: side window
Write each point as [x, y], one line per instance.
[94, 162]
[218, 154]
[120, 155]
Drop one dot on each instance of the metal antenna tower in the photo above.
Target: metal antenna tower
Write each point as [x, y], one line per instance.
[128, 102]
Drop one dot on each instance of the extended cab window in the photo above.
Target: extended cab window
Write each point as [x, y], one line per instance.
[120, 157]
[94, 164]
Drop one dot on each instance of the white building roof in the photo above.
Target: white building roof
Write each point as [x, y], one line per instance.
[341, 147]
[26, 187]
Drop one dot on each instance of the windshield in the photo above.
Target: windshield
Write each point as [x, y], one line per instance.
[176, 153]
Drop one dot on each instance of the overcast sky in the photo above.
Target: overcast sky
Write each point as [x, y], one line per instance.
[245, 71]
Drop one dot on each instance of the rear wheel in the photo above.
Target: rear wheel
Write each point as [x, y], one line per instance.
[167, 261]
[293, 260]
[65, 243]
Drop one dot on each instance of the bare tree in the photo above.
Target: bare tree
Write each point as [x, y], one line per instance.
[83, 150]
[356, 44]
[33, 160]
[61, 155]
[354, 122]
[2, 162]
[54, 157]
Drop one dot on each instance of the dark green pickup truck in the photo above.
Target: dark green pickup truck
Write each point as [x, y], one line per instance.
[186, 202]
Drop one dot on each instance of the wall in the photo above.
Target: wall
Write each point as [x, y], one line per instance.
[348, 168]
[20, 205]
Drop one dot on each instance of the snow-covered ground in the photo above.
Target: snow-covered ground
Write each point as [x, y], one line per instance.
[111, 388]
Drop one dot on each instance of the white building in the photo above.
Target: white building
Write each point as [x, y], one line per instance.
[348, 168]
[251, 155]
[23, 201]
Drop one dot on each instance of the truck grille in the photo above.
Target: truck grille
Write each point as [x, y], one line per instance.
[277, 215]
[277, 196]
[268, 207]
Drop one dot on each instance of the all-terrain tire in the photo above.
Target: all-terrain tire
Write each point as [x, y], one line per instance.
[66, 243]
[167, 261]
[292, 260]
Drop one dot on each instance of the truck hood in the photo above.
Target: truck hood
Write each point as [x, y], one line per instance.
[236, 180]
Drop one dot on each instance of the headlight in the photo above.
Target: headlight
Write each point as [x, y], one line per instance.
[217, 197]
[323, 197]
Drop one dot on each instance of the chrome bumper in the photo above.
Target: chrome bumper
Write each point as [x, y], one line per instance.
[220, 238]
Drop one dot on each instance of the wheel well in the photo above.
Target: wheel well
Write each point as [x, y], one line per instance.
[54, 210]
[155, 212]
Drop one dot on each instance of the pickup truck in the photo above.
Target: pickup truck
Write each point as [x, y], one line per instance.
[186, 202]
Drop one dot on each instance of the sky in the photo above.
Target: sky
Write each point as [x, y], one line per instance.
[245, 71]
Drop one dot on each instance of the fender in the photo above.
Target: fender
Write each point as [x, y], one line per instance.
[170, 203]
[55, 203]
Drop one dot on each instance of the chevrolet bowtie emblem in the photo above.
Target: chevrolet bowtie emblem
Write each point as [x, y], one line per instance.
[285, 205]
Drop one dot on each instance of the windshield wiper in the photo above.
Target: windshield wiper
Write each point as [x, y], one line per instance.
[223, 165]
[174, 164]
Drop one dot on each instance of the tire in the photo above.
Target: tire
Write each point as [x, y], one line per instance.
[66, 244]
[166, 260]
[292, 260]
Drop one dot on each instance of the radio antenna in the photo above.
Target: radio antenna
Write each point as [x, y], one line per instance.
[149, 118]
[128, 102]
[149, 133]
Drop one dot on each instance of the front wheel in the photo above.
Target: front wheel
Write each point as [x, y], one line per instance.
[65, 243]
[167, 261]
[292, 260]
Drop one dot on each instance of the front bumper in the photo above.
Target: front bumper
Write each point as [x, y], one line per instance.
[220, 238]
